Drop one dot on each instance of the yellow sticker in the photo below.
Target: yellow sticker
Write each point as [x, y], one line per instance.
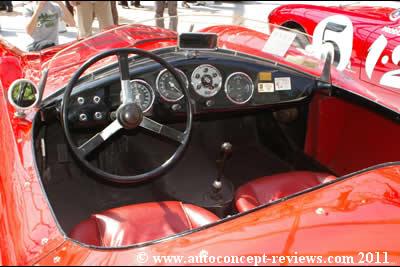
[265, 76]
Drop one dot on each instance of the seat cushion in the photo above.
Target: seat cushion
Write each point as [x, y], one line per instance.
[270, 188]
[140, 223]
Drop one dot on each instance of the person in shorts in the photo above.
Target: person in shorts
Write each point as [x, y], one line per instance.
[86, 11]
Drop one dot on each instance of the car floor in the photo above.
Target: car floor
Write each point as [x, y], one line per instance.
[75, 194]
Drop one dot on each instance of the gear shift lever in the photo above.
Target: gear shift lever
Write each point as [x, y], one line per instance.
[225, 153]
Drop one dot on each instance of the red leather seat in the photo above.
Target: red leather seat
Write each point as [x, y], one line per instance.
[270, 188]
[139, 223]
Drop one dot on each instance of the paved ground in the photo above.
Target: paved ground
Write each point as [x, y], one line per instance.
[13, 24]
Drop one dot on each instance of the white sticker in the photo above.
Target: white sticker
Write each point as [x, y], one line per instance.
[266, 88]
[279, 42]
[283, 83]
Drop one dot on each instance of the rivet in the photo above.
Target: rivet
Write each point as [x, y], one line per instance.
[320, 211]
[57, 259]
[44, 241]
[27, 184]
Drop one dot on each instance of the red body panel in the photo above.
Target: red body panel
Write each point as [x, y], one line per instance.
[338, 132]
[29, 233]
[27, 230]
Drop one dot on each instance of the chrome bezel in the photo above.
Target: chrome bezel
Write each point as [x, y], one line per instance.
[150, 89]
[226, 88]
[219, 84]
[158, 89]
[15, 105]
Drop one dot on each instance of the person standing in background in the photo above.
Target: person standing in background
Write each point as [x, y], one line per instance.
[85, 13]
[114, 12]
[172, 12]
[136, 4]
[6, 5]
[70, 8]
[124, 4]
[185, 4]
[43, 25]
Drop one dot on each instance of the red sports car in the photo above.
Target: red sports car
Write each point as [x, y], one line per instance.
[364, 39]
[216, 144]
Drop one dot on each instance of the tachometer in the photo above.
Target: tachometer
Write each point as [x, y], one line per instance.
[239, 88]
[168, 87]
[144, 94]
[206, 80]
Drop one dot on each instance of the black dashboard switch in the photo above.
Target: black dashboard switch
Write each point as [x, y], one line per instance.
[176, 107]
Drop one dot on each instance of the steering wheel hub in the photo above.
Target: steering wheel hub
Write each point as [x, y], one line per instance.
[130, 115]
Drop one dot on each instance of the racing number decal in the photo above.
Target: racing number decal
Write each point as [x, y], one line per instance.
[337, 31]
[390, 78]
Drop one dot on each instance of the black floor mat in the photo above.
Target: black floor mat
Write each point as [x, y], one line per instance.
[75, 194]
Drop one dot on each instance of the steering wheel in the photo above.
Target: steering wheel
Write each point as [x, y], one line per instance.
[129, 116]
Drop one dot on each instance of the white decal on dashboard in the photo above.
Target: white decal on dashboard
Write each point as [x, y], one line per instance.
[266, 88]
[336, 30]
[283, 83]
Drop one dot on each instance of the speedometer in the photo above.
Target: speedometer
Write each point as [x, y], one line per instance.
[168, 87]
[239, 88]
[206, 80]
[144, 94]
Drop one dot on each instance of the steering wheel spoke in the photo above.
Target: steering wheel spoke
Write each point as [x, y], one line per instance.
[127, 95]
[163, 130]
[94, 142]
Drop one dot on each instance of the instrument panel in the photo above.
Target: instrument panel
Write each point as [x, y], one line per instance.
[168, 87]
[216, 82]
[239, 88]
[206, 80]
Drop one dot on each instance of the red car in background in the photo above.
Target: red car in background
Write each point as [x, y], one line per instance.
[364, 39]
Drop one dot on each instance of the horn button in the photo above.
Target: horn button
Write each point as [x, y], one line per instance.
[130, 115]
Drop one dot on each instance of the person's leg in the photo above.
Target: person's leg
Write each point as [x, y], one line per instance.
[9, 6]
[102, 9]
[124, 4]
[137, 4]
[84, 17]
[70, 8]
[185, 4]
[114, 12]
[160, 5]
[173, 12]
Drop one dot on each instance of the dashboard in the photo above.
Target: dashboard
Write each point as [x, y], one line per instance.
[218, 81]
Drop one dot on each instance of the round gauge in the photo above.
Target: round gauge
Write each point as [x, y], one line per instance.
[206, 80]
[144, 95]
[168, 87]
[239, 87]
